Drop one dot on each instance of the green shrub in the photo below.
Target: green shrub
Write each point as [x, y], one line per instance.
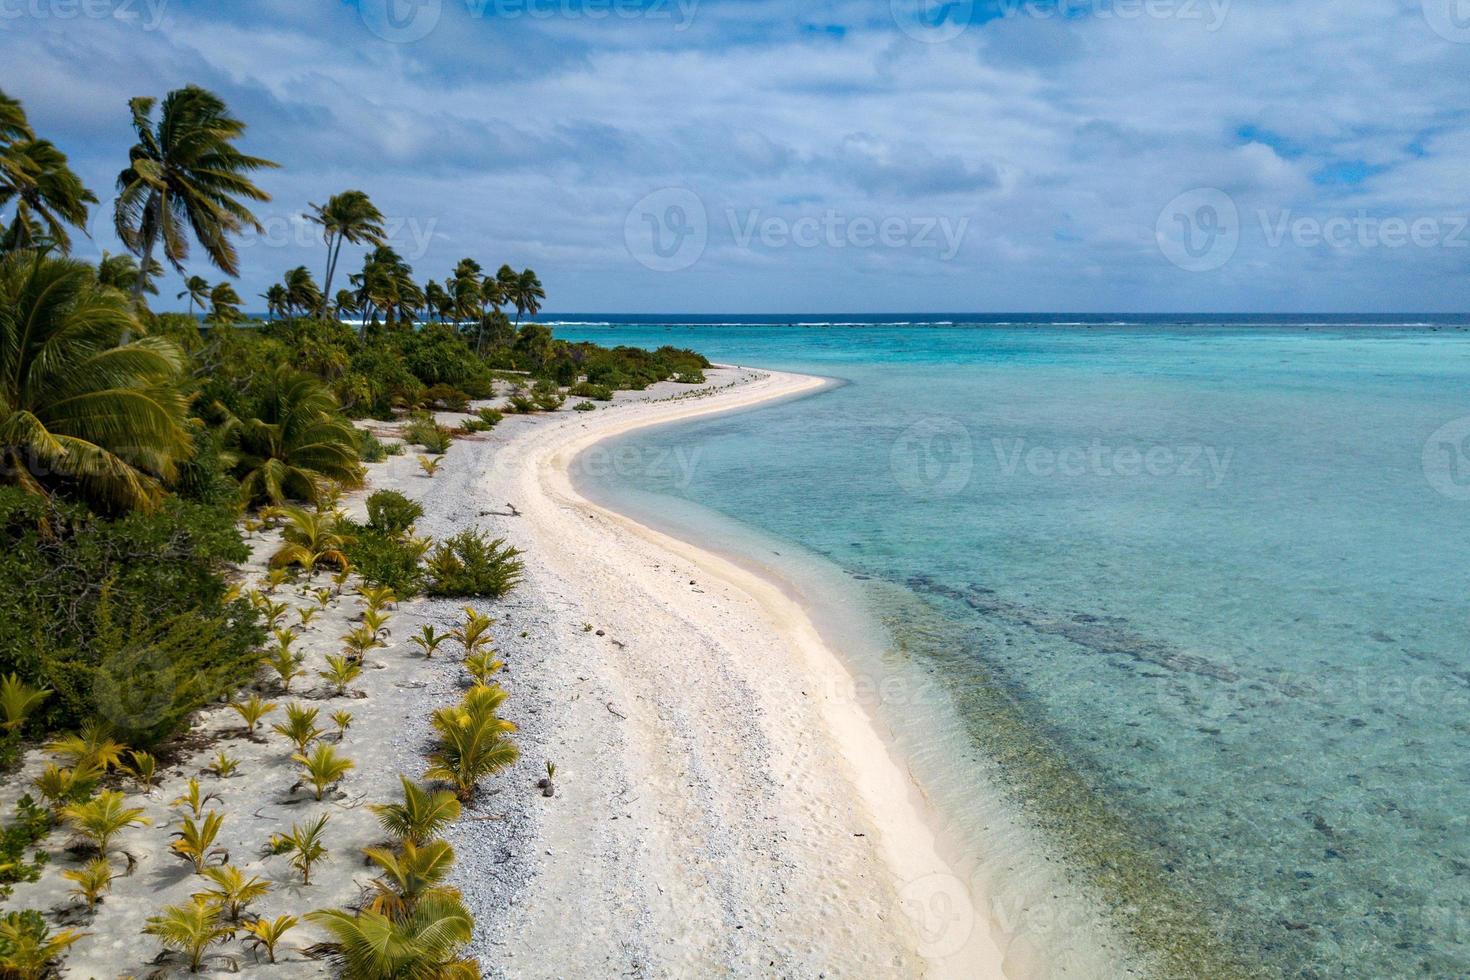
[369, 449]
[587, 389]
[382, 558]
[126, 620]
[584, 407]
[423, 431]
[446, 399]
[522, 403]
[29, 827]
[469, 564]
[689, 378]
[391, 512]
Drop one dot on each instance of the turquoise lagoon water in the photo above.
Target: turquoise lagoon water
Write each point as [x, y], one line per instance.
[1200, 588]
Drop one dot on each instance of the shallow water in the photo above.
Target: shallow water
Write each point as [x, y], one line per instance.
[1216, 572]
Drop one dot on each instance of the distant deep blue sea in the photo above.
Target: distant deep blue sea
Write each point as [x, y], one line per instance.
[1202, 579]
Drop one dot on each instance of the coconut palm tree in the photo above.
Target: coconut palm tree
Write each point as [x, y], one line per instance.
[437, 302]
[224, 304]
[198, 290]
[421, 815]
[295, 445]
[78, 407]
[302, 295]
[425, 943]
[473, 741]
[276, 300]
[346, 217]
[185, 175]
[121, 272]
[410, 874]
[386, 286]
[526, 294]
[35, 177]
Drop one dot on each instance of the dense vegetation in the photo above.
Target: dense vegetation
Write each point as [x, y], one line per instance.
[138, 448]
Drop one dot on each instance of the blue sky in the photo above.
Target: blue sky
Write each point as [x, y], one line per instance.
[761, 156]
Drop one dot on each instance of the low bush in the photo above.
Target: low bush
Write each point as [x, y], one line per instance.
[689, 378]
[128, 620]
[485, 420]
[369, 449]
[424, 432]
[469, 564]
[383, 558]
[584, 407]
[587, 389]
[23, 833]
[446, 398]
[391, 512]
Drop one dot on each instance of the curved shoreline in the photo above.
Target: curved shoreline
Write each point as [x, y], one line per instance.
[906, 865]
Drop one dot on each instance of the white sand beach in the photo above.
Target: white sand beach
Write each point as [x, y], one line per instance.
[724, 805]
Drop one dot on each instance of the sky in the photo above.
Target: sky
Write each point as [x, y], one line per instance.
[825, 156]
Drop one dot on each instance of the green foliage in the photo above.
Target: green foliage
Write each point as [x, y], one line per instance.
[83, 408]
[27, 829]
[391, 512]
[634, 368]
[423, 431]
[470, 564]
[587, 389]
[292, 444]
[369, 449]
[381, 558]
[473, 741]
[446, 398]
[28, 950]
[130, 620]
[584, 407]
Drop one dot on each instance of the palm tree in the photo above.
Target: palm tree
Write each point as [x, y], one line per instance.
[302, 293]
[121, 272]
[425, 943]
[296, 445]
[224, 304]
[276, 300]
[411, 874]
[346, 217]
[386, 285]
[437, 302]
[184, 174]
[197, 289]
[34, 175]
[527, 294]
[106, 417]
[421, 815]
